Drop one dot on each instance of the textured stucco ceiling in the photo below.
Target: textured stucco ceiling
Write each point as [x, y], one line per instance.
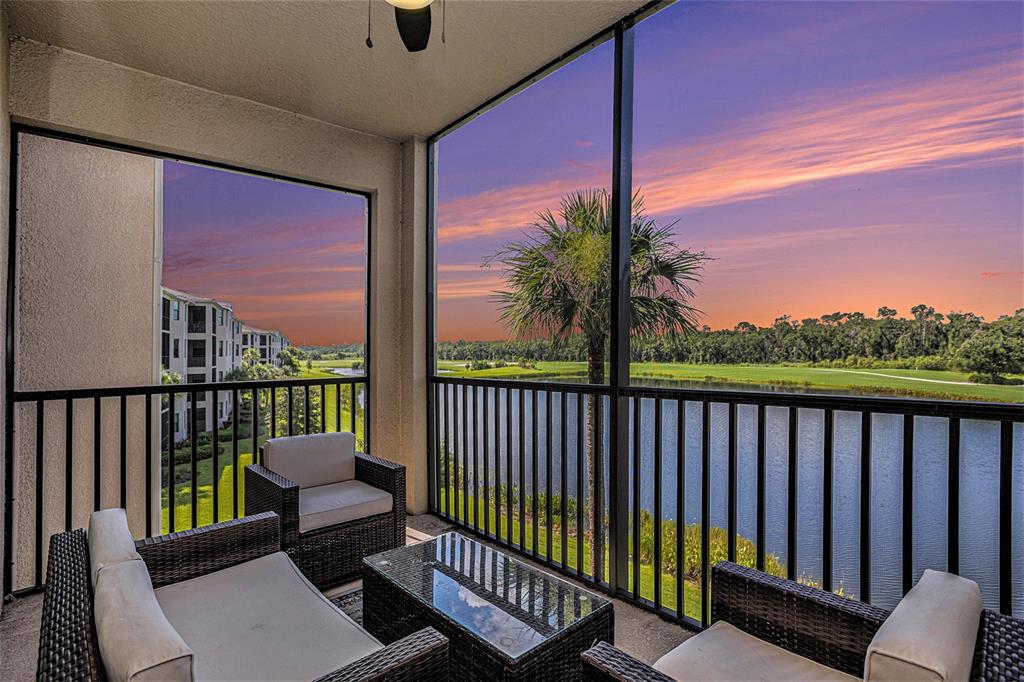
[311, 57]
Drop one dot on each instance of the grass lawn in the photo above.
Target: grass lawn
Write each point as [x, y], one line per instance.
[691, 589]
[911, 382]
[345, 362]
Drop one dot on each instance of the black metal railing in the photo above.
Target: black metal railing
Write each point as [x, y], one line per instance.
[788, 483]
[78, 450]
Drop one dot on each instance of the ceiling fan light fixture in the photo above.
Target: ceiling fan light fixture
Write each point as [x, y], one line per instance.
[413, 19]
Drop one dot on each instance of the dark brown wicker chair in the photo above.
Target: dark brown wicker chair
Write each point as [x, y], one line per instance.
[818, 625]
[68, 647]
[331, 555]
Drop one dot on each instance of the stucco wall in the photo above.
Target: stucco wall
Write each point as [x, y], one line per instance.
[60, 89]
[413, 360]
[86, 261]
[5, 154]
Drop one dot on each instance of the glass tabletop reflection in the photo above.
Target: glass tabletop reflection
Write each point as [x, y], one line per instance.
[507, 604]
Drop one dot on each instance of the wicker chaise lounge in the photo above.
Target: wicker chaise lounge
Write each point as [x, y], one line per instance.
[336, 505]
[818, 635]
[219, 602]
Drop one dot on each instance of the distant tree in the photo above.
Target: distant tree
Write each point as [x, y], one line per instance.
[289, 358]
[169, 377]
[995, 351]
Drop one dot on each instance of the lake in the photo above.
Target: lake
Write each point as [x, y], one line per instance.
[979, 485]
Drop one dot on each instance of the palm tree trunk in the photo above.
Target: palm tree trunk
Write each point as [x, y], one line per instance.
[595, 375]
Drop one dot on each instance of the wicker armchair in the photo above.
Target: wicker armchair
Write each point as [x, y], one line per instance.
[332, 554]
[831, 630]
[68, 643]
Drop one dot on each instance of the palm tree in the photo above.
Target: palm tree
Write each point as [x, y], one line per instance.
[558, 281]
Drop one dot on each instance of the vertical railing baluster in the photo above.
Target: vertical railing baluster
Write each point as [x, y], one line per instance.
[474, 455]
[761, 484]
[291, 411]
[305, 398]
[464, 415]
[826, 504]
[581, 498]
[497, 464]
[69, 461]
[123, 437]
[236, 412]
[680, 503]
[38, 554]
[791, 512]
[337, 407]
[549, 526]
[149, 465]
[273, 412]
[953, 498]
[563, 504]
[354, 410]
[434, 448]
[487, 457]
[97, 454]
[705, 513]
[216, 458]
[194, 459]
[731, 513]
[908, 502]
[636, 497]
[445, 455]
[865, 506]
[597, 457]
[509, 499]
[657, 502]
[1006, 517]
[522, 470]
[255, 416]
[534, 488]
[323, 408]
[170, 464]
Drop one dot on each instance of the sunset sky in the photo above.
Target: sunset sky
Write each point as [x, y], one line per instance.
[829, 156]
[286, 256]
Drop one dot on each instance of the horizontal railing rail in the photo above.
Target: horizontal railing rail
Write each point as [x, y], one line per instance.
[170, 454]
[801, 485]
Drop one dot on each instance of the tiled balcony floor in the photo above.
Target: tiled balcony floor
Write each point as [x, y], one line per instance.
[637, 631]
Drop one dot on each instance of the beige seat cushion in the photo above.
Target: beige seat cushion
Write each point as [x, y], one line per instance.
[312, 460]
[329, 505]
[724, 652]
[262, 620]
[110, 541]
[136, 640]
[931, 633]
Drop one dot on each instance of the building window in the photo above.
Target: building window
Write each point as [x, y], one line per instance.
[196, 378]
[176, 348]
[197, 319]
[220, 349]
[177, 422]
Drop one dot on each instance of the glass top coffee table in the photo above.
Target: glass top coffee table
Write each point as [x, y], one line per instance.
[504, 620]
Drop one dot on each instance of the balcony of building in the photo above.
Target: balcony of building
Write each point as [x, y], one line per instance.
[628, 490]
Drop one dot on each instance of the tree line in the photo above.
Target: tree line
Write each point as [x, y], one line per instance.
[925, 340]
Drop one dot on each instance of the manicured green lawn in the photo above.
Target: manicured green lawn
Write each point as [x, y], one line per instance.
[204, 493]
[938, 384]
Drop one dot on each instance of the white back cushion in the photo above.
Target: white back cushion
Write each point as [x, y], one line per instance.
[136, 640]
[316, 459]
[931, 633]
[110, 541]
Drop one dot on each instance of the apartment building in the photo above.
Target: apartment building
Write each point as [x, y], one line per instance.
[268, 342]
[200, 341]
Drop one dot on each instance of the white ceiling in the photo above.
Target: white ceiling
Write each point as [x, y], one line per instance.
[311, 57]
